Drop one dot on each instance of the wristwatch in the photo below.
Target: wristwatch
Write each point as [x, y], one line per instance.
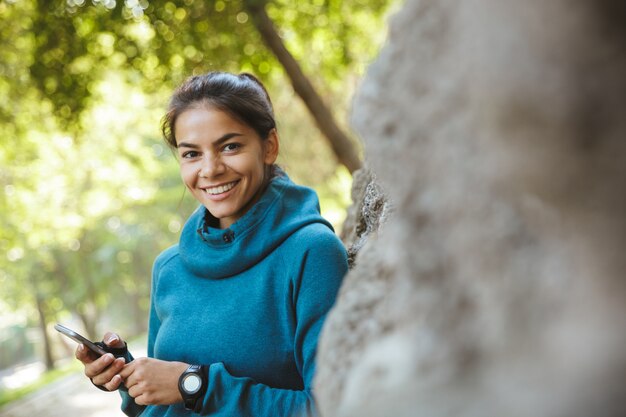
[192, 385]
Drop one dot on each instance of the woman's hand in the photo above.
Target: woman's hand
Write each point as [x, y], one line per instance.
[103, 370]
[152, 381]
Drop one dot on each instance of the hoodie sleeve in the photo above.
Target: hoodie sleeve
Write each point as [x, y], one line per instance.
[316, 282]
[129, 407]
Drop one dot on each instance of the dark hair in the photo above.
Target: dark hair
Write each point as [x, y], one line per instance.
[243, 96]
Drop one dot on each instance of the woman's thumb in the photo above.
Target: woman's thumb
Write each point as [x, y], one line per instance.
[113, 340]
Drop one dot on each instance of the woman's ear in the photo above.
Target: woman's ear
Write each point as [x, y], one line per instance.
[271, 147]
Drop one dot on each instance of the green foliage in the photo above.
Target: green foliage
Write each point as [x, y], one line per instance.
[89, 195]
[331, 38]
[163, 41]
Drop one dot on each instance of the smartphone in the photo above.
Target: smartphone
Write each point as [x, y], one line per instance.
[80, 339]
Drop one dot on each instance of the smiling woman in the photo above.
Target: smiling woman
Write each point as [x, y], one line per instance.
[222, 161]
[238, 304]
[224, 129]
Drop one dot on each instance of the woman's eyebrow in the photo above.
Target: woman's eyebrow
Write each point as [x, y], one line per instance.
[225, 137]
[186, 145]
[217, 142]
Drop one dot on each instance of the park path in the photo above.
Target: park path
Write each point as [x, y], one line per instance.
[71, 396]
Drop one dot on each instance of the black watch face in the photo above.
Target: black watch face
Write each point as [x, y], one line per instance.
[192, 383]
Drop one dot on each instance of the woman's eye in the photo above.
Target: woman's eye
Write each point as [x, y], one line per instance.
[189, 154]
[231, 147]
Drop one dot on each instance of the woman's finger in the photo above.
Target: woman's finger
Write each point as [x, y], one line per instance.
[99, 365]
[113, 340]
[114, 384]
[84, 355]
[109, 373]
[128, 370]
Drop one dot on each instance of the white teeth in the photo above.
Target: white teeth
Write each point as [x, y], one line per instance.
[221, 189]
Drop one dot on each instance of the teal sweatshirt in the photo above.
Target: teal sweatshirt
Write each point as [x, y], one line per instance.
[249, 303]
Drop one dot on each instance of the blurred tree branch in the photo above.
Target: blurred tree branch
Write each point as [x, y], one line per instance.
[338, 140]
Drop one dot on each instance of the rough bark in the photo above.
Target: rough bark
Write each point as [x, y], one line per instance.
[338, 140]
[497, 286]
[369, 210]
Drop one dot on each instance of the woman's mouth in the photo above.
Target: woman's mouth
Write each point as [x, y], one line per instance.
[220, 189]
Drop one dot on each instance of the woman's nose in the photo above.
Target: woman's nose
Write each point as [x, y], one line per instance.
[211, 166]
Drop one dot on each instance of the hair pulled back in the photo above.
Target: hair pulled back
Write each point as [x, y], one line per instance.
[242, 96]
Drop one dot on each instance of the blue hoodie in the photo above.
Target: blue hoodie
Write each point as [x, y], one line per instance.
[248, 302]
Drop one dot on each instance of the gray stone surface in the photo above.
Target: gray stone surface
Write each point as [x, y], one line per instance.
[497, 287]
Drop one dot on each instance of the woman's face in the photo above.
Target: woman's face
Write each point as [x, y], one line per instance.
[222, 161]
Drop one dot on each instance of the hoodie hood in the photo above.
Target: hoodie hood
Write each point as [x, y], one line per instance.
[283, 209]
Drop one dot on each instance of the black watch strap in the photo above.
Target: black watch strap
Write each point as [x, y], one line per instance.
[195, 376]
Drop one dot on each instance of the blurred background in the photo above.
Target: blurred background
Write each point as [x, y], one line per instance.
[89, 193]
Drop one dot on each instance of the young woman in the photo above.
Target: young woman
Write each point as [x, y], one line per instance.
[238, 304]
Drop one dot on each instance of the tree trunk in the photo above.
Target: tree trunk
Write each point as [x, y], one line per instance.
[89, 312]
[140, 324]
[43, 325]
[339, 141]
